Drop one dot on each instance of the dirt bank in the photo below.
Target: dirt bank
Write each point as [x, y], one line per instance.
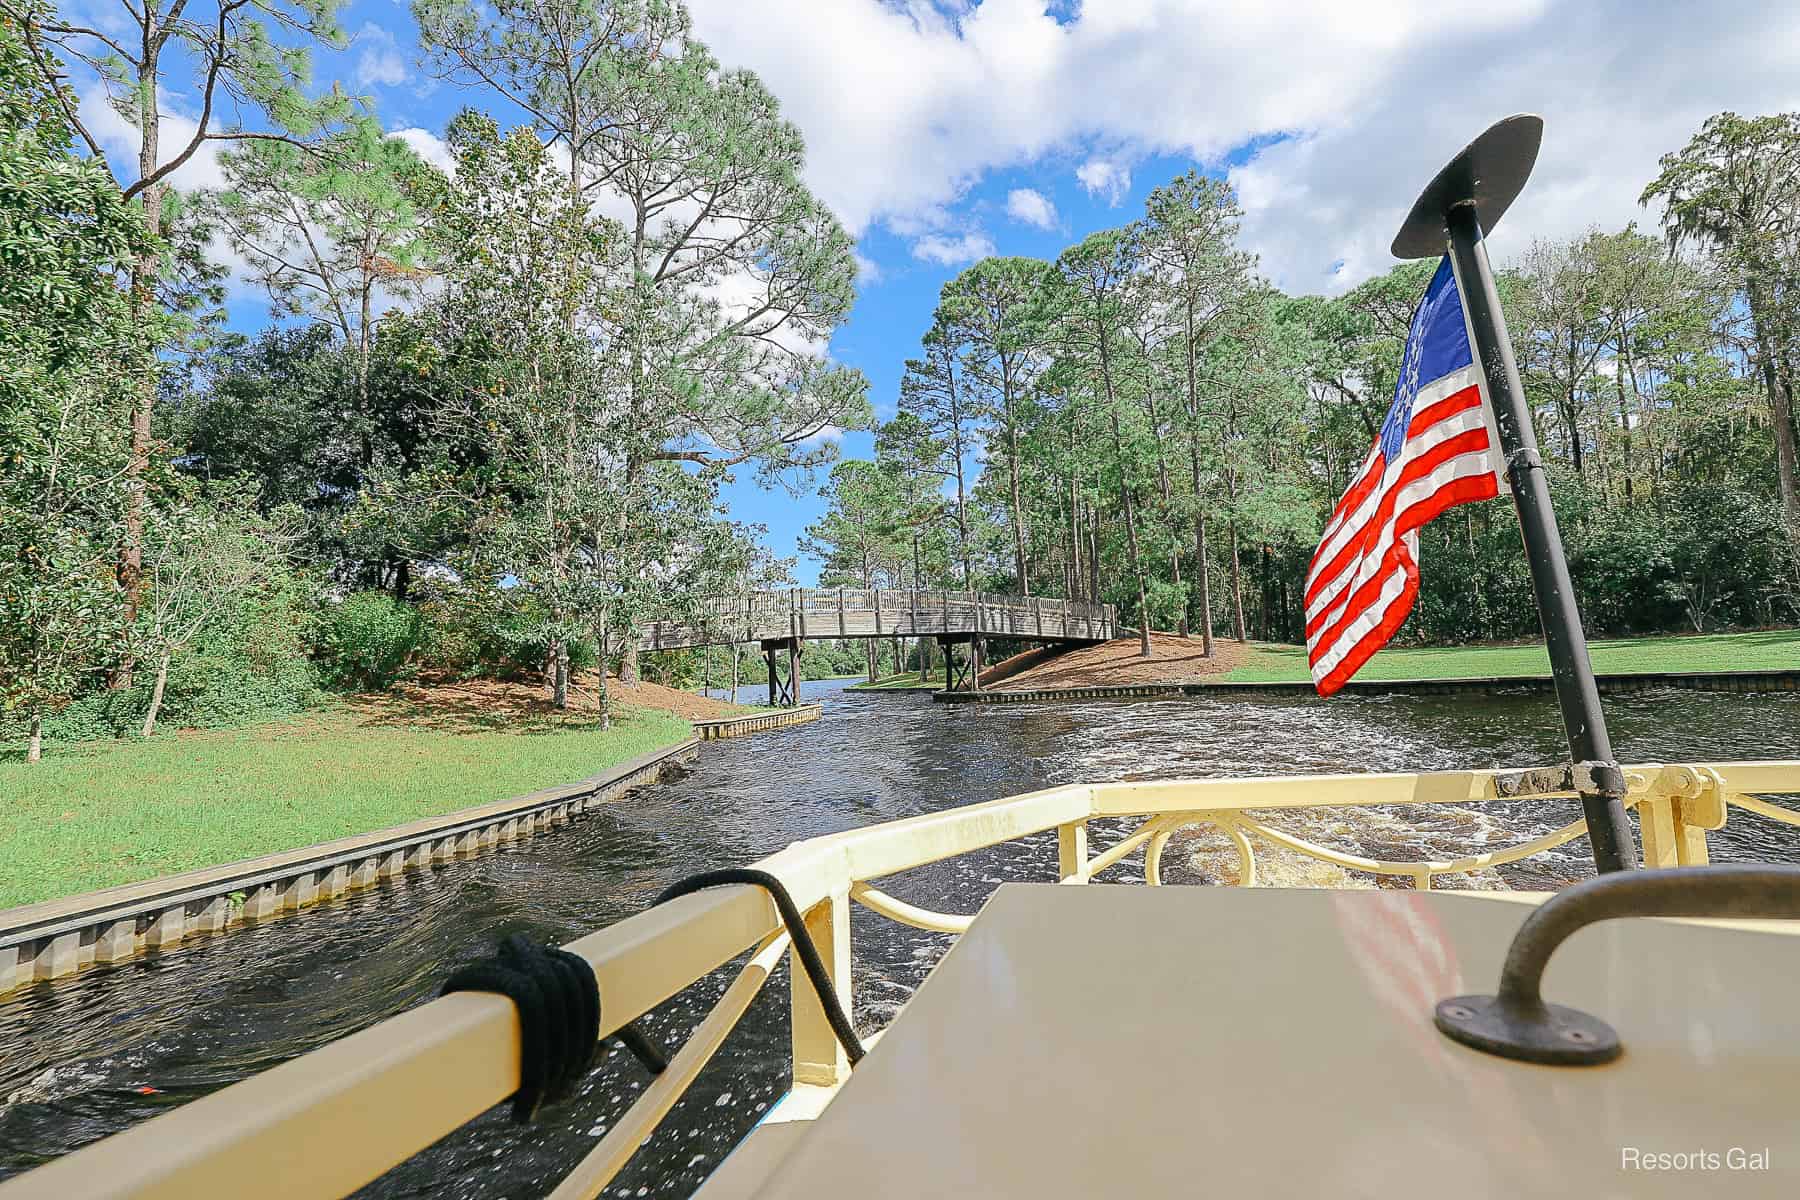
[1172, 659]
[487, 702]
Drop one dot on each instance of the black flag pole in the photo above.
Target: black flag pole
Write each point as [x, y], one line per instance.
[1465, 199]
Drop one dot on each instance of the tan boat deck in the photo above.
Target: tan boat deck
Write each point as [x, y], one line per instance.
[1092, 1042]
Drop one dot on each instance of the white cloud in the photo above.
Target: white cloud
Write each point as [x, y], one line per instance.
[380, 61]
[430, 147]
[120, 139]
[904, 108]
[1105, 179]
[868, 271]
[826, 434]
[953, 249]
[1031, 207]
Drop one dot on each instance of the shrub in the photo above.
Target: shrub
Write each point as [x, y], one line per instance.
[249, 667]
[369, 640]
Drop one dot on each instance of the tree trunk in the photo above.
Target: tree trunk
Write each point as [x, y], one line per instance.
[1093, 579]
[1203, 575]
[1202, 568]
[1131, 538]
[1619, 369]
[156, 694]
[559, 675]
[1012, 468]
[1785, 468]
[605, 692]
[1572, 414]
[628, 664]
[1168, 501]
[144, 271]
[34, 748]
[602, 644]
[1237, 586]
[736, 650]
[1262, 569]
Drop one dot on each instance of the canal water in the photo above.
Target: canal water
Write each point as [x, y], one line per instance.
[115, 1045]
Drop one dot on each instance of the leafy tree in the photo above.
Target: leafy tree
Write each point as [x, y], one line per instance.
[528, 268]
[206, 557]
[1732, 189]
[994, 318]
[331, 231]
[855, 540]
[224, 58]
[65, 236]
[1198, 275]
[732, 272]
[934, 397]
[1096, 312]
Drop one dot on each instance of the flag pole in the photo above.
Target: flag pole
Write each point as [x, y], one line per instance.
[1472, 191]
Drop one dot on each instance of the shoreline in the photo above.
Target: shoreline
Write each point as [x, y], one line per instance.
[1759, 660]
[49, 939]
[1741, 682]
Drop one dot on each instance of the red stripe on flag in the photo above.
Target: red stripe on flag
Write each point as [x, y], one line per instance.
[1443, 410]
[1471, 441]
[1376, 466]
[1460, 491]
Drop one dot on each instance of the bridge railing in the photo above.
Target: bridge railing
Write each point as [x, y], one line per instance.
[435, 1067]
[879, 612]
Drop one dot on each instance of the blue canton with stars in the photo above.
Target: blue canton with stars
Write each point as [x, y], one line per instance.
[1436, 345]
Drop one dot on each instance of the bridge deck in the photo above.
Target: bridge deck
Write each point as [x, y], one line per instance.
[885, 613]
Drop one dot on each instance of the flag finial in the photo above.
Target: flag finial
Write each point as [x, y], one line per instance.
[1491, 172]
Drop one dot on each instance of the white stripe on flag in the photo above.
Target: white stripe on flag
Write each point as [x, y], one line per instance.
[1438, 389]
[1443, 431]
[1463, 466]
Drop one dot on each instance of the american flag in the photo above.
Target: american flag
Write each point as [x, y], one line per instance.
[1436, 450]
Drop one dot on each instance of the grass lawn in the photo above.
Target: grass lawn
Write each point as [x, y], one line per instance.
[100, 814]
[1767, 651]
[901, 682]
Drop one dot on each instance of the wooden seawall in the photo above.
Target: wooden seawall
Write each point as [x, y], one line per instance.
[57, 937]
[730, 727]
[1640, 681]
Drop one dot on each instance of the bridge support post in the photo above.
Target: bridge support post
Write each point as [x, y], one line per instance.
[783, 693]
[966, 675]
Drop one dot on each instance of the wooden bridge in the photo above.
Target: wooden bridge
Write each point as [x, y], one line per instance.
[782, 620]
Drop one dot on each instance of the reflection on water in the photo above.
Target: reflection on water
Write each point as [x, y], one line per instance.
[77, 1056]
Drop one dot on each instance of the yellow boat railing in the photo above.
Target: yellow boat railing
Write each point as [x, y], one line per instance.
[330, 1121]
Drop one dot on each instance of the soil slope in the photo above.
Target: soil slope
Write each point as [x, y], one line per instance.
[1172, 659]
[486, 702]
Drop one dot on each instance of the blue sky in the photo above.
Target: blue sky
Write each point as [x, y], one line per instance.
[895, 302]
[927, 120]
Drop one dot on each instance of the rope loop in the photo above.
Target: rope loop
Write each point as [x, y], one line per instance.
[559, 1017]
[804, 946]
[558, 998]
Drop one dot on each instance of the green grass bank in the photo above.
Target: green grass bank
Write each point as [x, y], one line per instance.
[1770, 650]
[107, 813]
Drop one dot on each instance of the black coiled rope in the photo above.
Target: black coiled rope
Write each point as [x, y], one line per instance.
[558, 998]
[803, 943]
